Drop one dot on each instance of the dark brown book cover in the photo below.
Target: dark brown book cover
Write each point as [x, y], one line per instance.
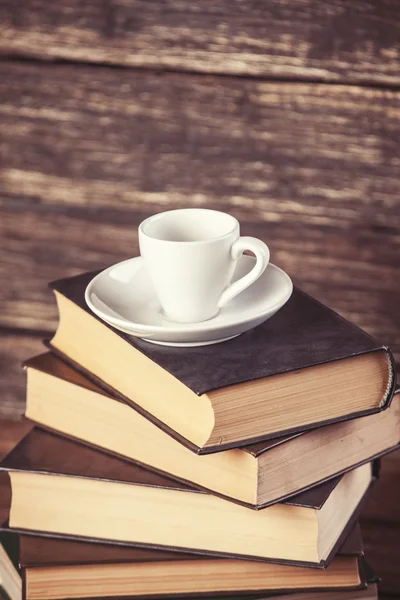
[304, 333]
[43, 452]
[38, 552]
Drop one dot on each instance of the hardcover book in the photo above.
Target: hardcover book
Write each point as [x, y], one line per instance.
[56, 569]
[369, 593]
[252, 475]
[304, 367]
[56, 486]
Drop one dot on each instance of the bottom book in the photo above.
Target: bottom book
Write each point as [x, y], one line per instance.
[56, 569]
[369, 593]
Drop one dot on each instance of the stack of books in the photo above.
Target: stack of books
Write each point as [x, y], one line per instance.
[232, 469]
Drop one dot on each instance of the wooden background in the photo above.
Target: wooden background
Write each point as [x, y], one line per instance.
[285, 114]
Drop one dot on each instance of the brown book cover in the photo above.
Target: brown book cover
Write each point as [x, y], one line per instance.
[302, 335]
[44, 453]
[51, 564]
[37, 551]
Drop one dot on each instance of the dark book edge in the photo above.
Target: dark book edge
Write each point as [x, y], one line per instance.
[323, 564]
[376, 468]
[22, 458]
[209, 449]
[352, 546]
[4, 595]
[5, 496]
[369, 573]
[23, 579]
[10, 543]
[258, 449]
[4, 526]
[10, 552]
[10, 464]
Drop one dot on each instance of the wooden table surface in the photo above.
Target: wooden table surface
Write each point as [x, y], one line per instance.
[286, 114]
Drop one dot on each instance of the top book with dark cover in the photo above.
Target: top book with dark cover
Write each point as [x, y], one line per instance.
[304, 367]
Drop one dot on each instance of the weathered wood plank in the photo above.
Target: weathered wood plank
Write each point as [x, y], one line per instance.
[381, 525]
[382, 549]
[11, 432]
[13, 350]
[138, 141]
[331, 41]
[383, 504]
[87, 153]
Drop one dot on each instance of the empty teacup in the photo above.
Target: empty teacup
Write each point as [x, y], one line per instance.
[190, 255]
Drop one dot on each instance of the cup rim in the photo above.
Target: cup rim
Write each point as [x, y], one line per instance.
[143, 224]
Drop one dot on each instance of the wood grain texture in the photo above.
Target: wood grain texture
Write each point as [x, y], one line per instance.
[12, 431]
[139, 141]
[87, 153]
[331, 41]
[14, 348]
[381, 543]
[383, 505]
[381, 526]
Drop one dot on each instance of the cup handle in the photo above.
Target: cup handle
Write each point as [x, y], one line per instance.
[261, 251]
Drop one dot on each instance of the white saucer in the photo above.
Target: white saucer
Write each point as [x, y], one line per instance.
[123, 296]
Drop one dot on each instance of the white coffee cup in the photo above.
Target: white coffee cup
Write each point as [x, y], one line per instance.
[190, 255]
